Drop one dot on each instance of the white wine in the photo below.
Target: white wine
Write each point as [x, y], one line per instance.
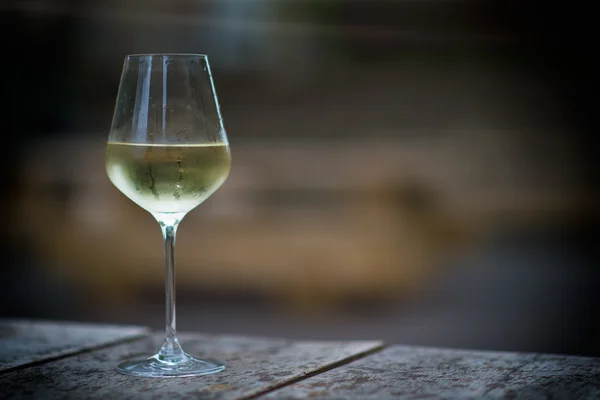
[167, 178]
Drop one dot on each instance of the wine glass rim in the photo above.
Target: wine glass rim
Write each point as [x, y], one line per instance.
[183, 55]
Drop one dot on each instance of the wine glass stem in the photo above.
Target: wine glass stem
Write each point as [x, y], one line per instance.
[171, 350]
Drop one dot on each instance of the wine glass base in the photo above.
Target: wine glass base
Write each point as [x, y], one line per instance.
[155, 368]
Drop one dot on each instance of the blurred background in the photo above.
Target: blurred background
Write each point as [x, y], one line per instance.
[420, 172]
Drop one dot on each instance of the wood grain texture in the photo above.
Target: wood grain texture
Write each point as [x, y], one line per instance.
[26, 342]
[254, 366]
[427, 373]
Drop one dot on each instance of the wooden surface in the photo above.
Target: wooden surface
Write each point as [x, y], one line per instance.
[254, 366]
[426, 373]
[25, 342]
[79, 361]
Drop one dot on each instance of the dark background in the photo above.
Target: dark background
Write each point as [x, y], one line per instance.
[518, 270]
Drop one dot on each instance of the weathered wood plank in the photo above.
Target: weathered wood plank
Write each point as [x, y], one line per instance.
[25, 342]
[552, 376]
[254, 365]
[417, 373]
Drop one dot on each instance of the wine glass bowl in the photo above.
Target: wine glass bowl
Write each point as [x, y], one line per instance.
[167, 151]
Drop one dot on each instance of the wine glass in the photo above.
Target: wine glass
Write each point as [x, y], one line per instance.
[168, 152]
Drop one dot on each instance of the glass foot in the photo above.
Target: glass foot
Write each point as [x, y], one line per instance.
[187, 366]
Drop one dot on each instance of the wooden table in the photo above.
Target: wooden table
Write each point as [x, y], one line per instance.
[60, 360]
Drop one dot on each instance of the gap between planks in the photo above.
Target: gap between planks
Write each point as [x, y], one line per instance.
[317, 372]
[142, 335]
